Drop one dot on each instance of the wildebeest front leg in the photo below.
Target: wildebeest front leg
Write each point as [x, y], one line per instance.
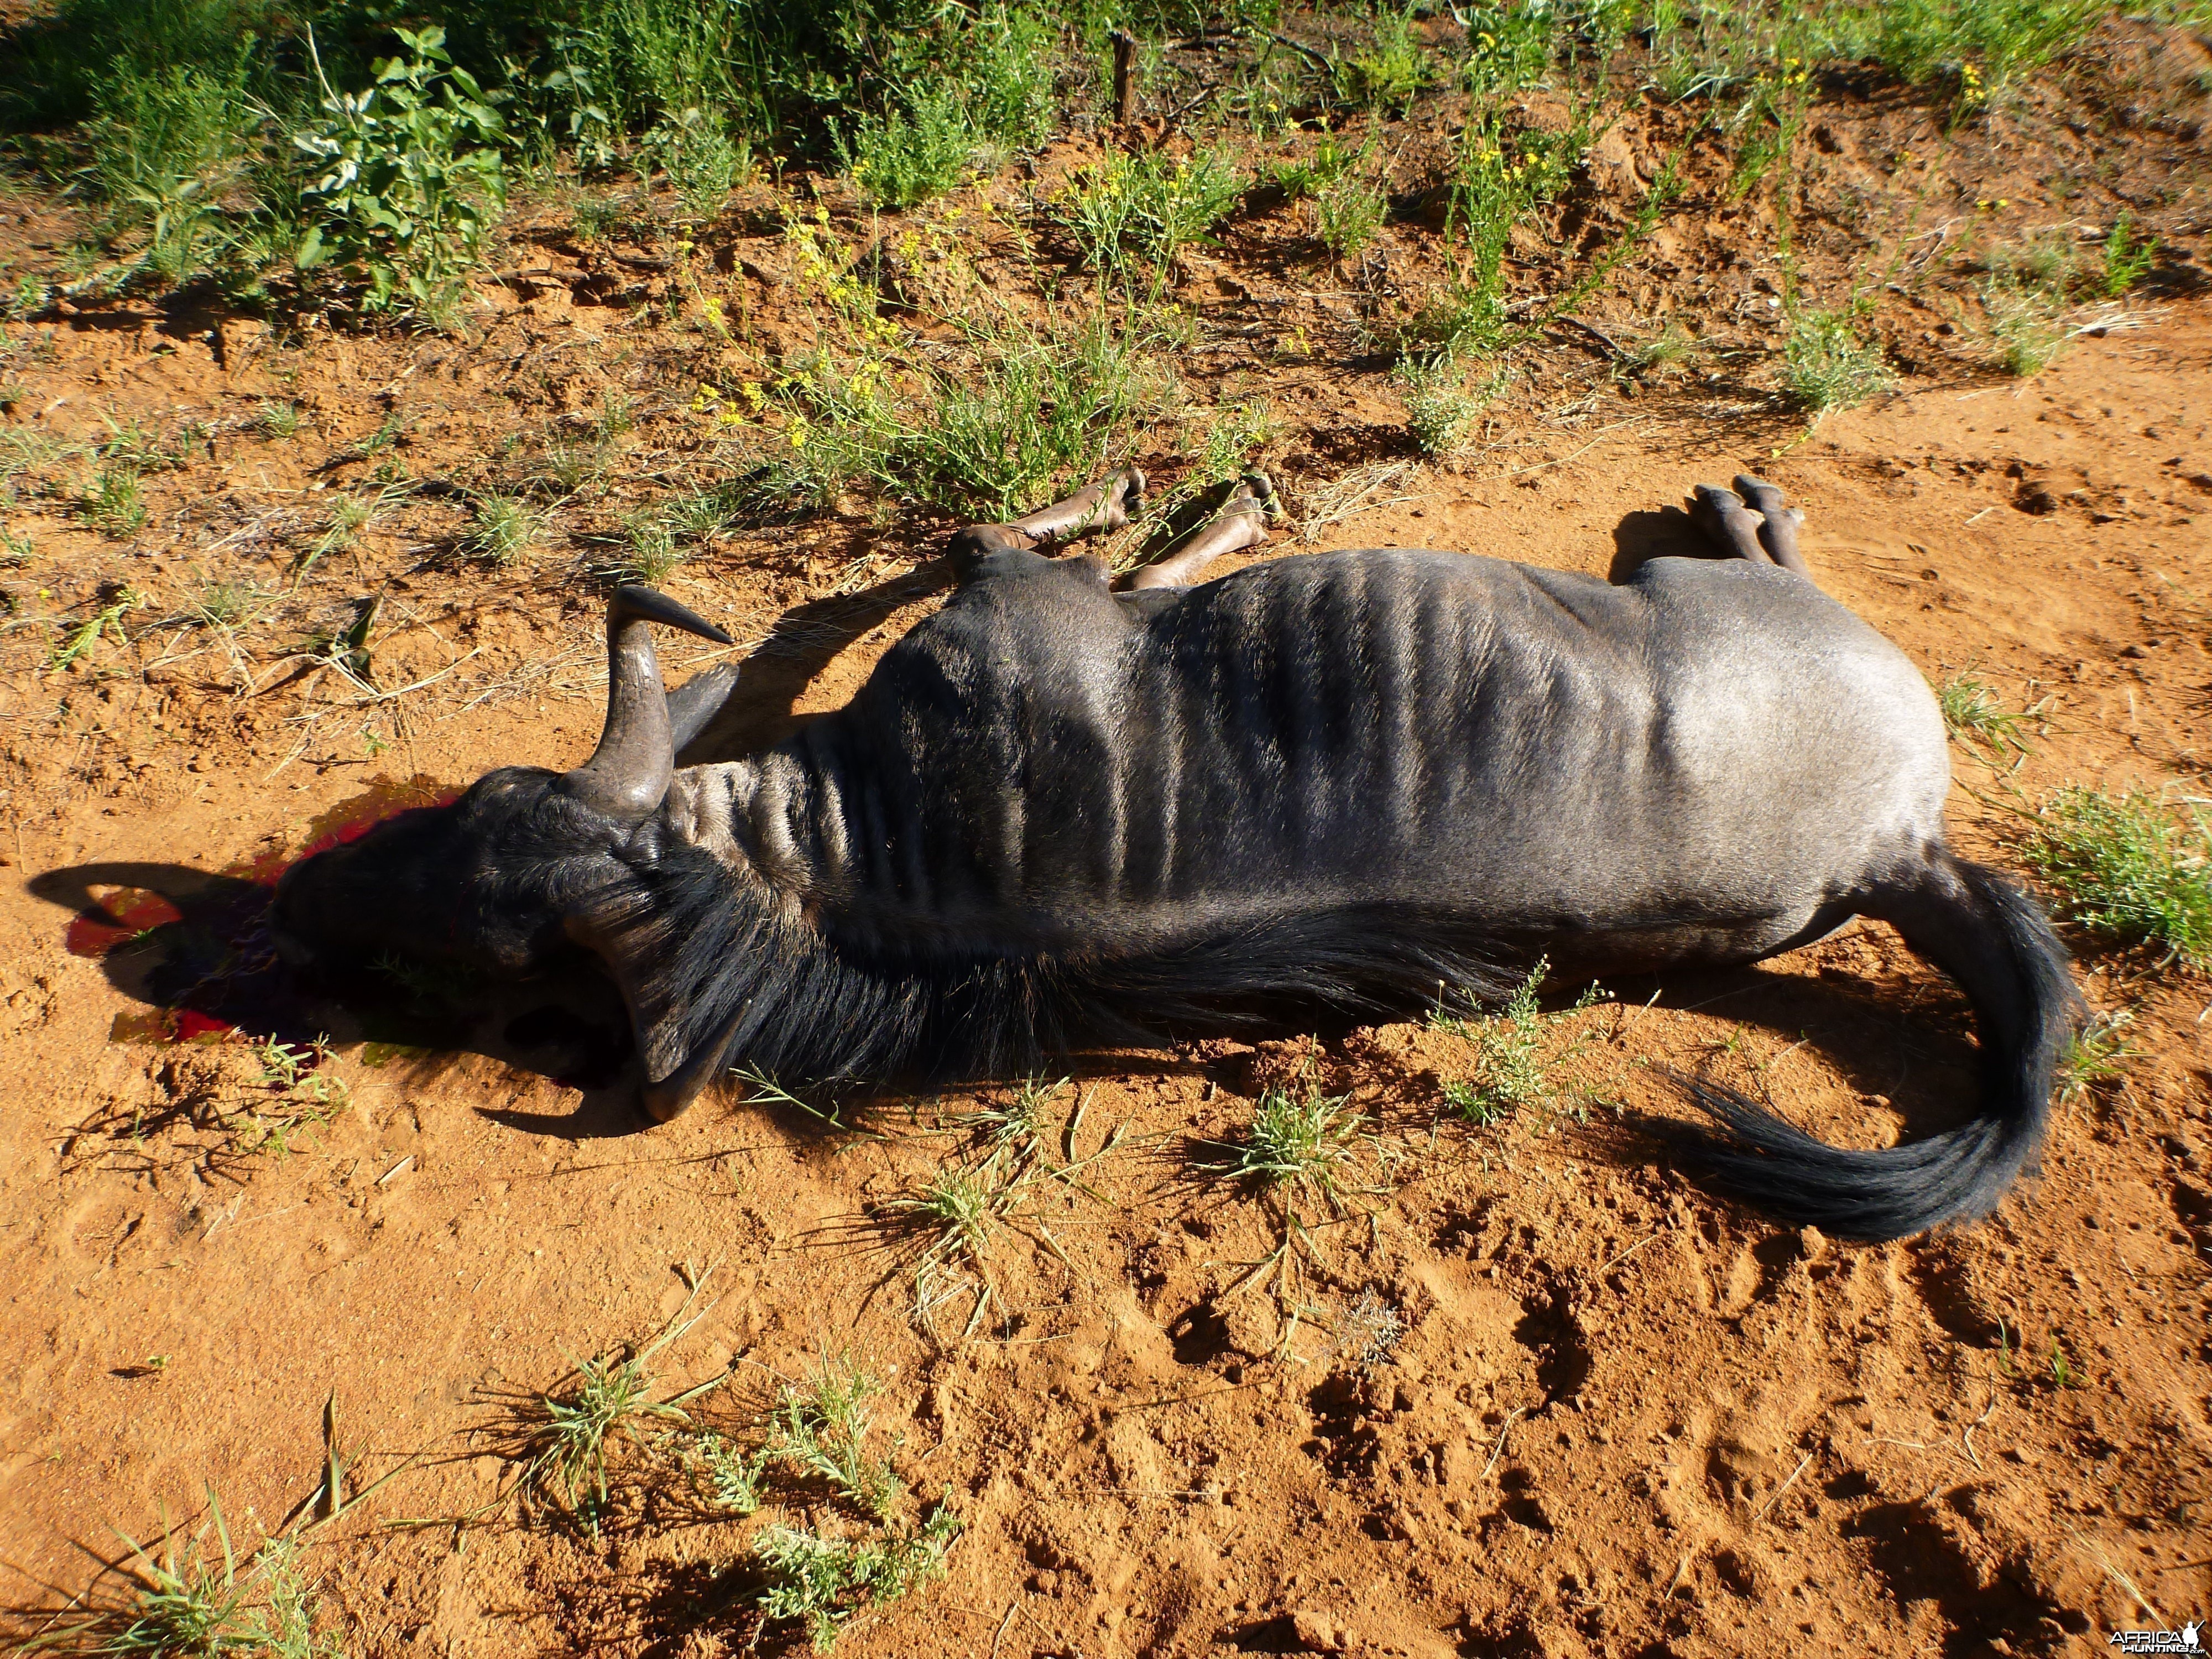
[1242, 523]
[1105, 506]
[1752, 521]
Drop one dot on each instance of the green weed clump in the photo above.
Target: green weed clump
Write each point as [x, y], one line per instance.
[820, 1580]
[1123, 209]
[1515, 1059]
[1827, 365]
[1349, 214]
[2130, 866]
[822, 1572]
[703, 161]
[1330, 159]
[115, 505]
[1443, 406]
[1025, 409]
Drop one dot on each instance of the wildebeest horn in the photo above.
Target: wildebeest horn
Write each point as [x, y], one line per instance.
[629, 772]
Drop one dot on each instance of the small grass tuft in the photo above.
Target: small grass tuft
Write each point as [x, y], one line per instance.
[2096, 1054]
[1295, 1142]
[1827, 366]
[1514, 1058]
[276, 419]
[114, 505]
[2027, 321]
[504, 531]
[2130, 867]
[1975, 716]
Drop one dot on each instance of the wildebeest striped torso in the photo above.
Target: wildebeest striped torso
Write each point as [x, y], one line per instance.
[1047, 764]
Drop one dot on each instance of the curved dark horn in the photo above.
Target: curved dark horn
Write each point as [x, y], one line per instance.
[629, 772]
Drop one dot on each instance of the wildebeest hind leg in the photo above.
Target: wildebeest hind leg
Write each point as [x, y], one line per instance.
[1757, 524]
[1242, 523]
[1779, 522]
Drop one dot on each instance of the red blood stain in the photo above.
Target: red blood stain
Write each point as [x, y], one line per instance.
[220, 949]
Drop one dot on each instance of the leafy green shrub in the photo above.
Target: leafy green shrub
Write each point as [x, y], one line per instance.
[915, 149]
[2130, 866]
[1984, 45]
[414, 175]
[1827, 366]
[1125, 208]
[1008, 77]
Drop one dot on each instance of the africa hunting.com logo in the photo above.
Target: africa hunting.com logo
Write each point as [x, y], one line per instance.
[2187, 1639]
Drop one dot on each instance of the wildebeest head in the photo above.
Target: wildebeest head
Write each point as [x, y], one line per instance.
[526, 866]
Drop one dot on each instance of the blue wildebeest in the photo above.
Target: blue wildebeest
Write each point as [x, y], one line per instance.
[1057, 814]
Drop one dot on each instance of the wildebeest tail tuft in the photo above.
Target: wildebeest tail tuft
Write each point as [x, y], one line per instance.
[1995, 940]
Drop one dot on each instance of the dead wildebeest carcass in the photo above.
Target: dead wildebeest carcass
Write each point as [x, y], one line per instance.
[1059, 814]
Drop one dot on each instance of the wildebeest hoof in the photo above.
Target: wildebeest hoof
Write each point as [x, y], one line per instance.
[1778, 530]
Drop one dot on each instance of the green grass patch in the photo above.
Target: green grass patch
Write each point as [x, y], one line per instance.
[1516, 1054]
[1123, 211]
[1828, 365]
[2134, 866]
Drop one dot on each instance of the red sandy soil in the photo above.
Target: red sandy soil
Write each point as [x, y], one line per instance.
[1626, 1416]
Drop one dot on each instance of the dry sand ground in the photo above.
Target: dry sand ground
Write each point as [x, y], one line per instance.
[1624, 1418]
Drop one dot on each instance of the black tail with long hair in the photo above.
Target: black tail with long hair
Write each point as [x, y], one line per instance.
[1995, 941]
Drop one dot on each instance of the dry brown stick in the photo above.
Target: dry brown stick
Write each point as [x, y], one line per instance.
[1125, 63]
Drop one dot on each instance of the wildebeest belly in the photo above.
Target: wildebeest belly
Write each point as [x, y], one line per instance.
[1386, 730]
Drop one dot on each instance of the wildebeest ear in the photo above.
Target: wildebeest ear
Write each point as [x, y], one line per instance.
[677, 1067]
